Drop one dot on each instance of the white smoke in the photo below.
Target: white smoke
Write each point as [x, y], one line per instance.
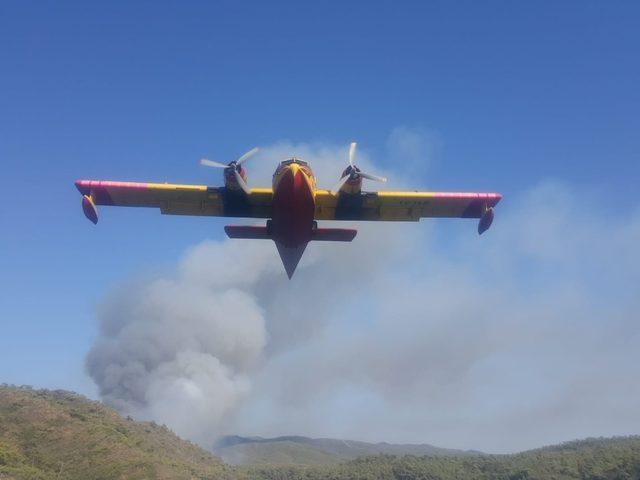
[179, 351]
[410, 333]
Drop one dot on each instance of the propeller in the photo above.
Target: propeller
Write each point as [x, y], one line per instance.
[352, 172]
[235, 165]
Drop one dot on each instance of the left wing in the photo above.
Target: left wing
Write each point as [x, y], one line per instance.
[175, 199]
[402, 206]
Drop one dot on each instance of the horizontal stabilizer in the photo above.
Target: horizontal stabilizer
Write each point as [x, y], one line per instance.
[334, 234]
[237, 231]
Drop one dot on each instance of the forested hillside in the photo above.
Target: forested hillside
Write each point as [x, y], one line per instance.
[592, 459]
[47, 435]
[61, 435]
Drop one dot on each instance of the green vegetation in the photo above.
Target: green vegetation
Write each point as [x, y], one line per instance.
[55, 435]
[592, 459]
[61, 435]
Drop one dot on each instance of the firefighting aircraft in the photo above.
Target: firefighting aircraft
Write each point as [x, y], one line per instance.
[292, 206]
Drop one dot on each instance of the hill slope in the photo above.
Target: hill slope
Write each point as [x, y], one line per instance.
[297, 450]
[58, 434]
[47, 435]
[591, 459]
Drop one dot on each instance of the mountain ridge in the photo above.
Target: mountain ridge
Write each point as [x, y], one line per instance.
[302, 450]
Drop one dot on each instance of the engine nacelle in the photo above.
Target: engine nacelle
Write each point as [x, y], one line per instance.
[230, 180]
[353, 185]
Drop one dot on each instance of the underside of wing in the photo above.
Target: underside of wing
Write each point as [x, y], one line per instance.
[402, 206]
[175, 199]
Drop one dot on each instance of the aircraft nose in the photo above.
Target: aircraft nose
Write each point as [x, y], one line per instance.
[293, 170]
[290, 176]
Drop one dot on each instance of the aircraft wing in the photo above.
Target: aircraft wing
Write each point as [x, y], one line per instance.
[175, 199]
[402, 206]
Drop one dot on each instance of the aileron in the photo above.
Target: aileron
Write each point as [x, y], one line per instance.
[403, 206]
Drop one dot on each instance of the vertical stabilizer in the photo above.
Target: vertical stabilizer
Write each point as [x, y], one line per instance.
[290, 256]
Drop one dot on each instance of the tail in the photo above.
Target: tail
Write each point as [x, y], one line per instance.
[319, 234]
[290, 256]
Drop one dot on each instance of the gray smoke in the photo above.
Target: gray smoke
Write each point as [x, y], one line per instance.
[413, 333]
[179, 350]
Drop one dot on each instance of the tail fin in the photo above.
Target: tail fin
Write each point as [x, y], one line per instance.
[291, 255]
[237, 231]
[334, 234]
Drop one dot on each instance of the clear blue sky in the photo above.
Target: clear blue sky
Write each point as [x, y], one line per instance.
[517, 92]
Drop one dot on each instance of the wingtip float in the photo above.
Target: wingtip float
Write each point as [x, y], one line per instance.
[89, 209]
[485, 220]
[292, 206]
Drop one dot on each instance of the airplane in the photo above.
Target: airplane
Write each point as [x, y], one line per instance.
[292, 207]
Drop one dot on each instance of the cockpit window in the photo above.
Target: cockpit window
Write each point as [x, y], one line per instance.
[303, 165]
[294, 160]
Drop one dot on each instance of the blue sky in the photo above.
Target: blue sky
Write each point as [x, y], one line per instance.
[508, 95]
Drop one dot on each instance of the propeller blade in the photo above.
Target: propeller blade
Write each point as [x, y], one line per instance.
[211, 163]
[338, 186]
[352, 153]
[372, 177]
[247, 155]
[241, 182]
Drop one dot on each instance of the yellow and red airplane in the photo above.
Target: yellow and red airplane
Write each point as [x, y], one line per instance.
[292, 206]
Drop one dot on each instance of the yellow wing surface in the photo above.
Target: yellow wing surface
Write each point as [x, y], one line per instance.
[403, 206]
[176, 199]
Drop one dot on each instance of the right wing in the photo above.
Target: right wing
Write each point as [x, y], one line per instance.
[176, 199]
[402, 206]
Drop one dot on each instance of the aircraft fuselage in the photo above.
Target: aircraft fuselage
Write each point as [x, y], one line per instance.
[292, 224]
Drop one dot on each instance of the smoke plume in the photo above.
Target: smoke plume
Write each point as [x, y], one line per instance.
[412, 333]
[179, 350]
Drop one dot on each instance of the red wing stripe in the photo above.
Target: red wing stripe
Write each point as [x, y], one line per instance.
[85, 186]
